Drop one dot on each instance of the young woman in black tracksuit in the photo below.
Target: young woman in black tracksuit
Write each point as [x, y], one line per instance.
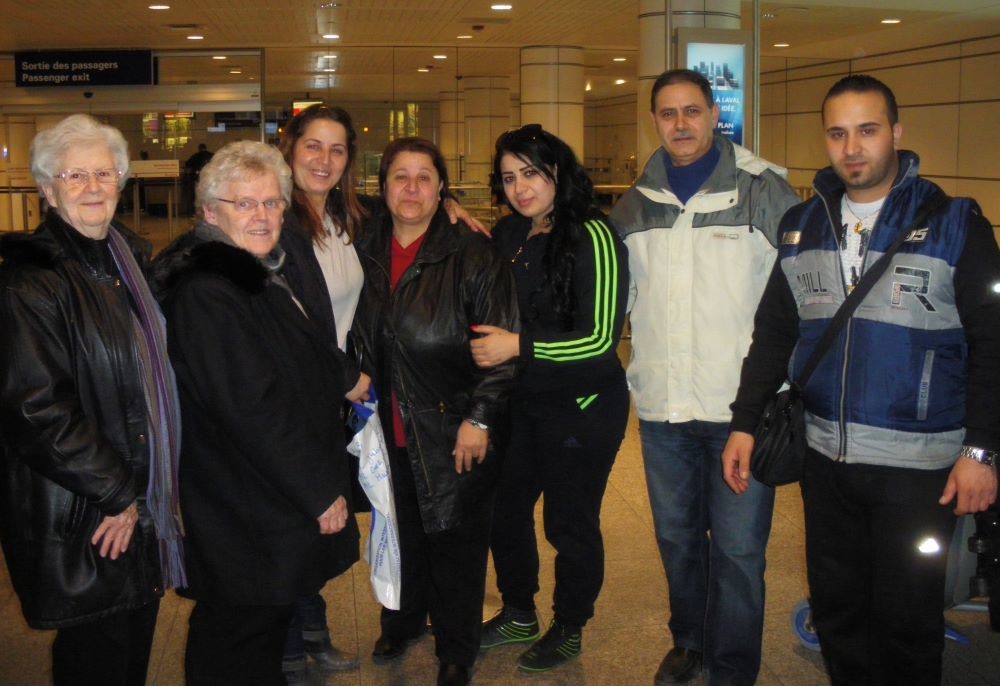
[570, 405]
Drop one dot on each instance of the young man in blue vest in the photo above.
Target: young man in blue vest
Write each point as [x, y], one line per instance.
[902, 413]
[701, 226]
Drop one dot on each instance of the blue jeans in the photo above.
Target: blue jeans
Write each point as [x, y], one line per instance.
[308, 625]
[716, 581]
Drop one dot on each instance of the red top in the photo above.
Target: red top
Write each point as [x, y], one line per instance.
[401, 259]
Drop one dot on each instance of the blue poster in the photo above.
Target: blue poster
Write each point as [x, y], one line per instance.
[723, 65]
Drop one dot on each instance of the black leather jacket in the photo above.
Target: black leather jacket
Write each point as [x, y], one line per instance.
[416, 341]
[73, 425]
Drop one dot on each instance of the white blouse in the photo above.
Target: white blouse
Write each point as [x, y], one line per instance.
[344, 278]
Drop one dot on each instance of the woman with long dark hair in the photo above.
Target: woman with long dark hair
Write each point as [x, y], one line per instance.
[570, 405]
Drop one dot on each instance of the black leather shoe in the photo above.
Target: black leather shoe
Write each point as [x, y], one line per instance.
[387, 648]
[678, 667]
[453, 674]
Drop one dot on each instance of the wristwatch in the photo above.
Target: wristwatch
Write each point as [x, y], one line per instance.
[980, 455]
[478, 425]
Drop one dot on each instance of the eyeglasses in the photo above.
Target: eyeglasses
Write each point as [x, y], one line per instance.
[247, 205]
[81, 177]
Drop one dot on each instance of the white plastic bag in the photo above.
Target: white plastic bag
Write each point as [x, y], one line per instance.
[382, 553]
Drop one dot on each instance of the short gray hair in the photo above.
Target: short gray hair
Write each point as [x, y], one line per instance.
[50, 146]
[242, 161]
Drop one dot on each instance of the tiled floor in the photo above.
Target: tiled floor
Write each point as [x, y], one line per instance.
[622, 645]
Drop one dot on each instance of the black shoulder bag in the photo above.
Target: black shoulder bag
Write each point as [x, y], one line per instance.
[779, 448]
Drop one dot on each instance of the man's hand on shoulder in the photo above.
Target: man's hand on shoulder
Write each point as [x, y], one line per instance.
[974, 485]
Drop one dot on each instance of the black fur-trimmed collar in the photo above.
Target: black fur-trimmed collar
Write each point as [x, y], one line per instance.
[191, 254]
[235, 264]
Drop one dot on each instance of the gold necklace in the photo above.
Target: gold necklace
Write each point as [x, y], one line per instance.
[859, 226]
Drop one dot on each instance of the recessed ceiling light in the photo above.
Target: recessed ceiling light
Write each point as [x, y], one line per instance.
[464, 36]
[440, 57]
[501, 7]
[619, 82]
[219, 57]
[423, 69]
[235, 71]
[331, 36]
[619, 59]
[196, 37]
[781, 45]
[159, 7]
[329, 69]
[891, 21]
[329, 57]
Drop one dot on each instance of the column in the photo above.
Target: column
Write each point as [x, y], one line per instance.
[552, 86]
[451, 132]
[487, 115]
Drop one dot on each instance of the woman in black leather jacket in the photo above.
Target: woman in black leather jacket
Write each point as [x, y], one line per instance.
[89, 414]
[426, 283]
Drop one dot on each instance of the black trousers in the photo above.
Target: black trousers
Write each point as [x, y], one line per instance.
[443, 574]
[111, 651]
[236, 645]
[876, 550]
[566, 453]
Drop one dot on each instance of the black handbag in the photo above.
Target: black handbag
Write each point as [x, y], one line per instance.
[779, 449]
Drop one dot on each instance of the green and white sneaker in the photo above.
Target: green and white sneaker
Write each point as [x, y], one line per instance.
[559, 644]
[509, 626]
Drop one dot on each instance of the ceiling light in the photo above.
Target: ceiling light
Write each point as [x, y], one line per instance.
[891, 21]
[587, 87]
[440, 57]
[502, 7]
[329, 57]
[159, 7]
[464, 36]
[781, 45]
[329, 69]
[619, 59]
[331, 36]
[219, 57]
[619, 82]
[423, 69]
[195, 37]
[235, 71]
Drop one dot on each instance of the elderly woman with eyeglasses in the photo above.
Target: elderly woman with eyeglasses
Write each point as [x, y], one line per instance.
[89, 426]
[264, 470]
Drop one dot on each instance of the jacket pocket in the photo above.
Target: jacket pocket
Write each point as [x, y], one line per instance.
[75, 514]
[924, 389]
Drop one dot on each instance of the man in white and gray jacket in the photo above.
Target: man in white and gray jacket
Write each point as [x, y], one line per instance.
[701, 226]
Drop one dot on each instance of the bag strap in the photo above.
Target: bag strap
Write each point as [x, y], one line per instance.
[864, 285]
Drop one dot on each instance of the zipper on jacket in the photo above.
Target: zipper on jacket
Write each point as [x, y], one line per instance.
[842, 422]
[408, 276]
[842, 402]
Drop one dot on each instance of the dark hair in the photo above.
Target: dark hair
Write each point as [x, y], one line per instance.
[574, 203]
[669, 78]
[413, 144]
[863, 83]
[342, 202]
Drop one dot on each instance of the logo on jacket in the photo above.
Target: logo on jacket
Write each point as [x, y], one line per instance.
[918, 290]
[811, 282]
[791, 238]
[918, 235]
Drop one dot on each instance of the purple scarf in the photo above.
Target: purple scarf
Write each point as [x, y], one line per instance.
[163, 413]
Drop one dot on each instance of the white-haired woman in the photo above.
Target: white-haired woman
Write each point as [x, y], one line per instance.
[264, 472]
[88, 411]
